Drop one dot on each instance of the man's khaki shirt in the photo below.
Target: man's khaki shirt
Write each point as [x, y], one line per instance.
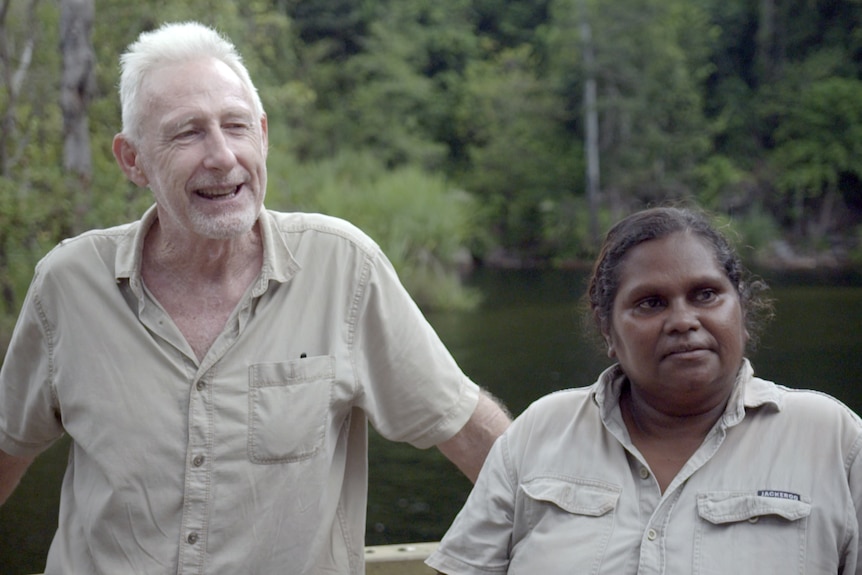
[252, 460]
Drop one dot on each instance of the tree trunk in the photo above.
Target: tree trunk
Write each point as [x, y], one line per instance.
[76, 90]
[827, 208]
[13, 78]
[78, 83]
[591, 138]
[768, 53]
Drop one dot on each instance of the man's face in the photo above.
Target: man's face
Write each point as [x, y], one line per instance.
[202, 150]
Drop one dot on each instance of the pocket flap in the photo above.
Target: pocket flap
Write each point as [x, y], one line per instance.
[727, 507]
[307, 369]
[572, 495]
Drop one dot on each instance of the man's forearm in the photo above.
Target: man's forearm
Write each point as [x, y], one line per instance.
[12, 468]
[468, 448]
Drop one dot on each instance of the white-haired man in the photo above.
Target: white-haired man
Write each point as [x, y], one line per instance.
[216, 363]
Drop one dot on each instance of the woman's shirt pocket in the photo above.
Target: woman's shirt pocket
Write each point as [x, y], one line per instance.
[750, 532]
[288, 408]
[567, 521]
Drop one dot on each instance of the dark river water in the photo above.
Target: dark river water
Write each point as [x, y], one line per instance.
[524, 341]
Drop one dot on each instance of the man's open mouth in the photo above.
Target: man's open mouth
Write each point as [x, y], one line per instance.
[218, 193]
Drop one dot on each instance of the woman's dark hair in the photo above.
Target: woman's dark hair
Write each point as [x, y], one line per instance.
[656, 223]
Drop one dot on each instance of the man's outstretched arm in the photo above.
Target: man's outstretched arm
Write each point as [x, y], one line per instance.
[12, 469]
[468, 448]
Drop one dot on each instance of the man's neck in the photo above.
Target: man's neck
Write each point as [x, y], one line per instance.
[199, 284]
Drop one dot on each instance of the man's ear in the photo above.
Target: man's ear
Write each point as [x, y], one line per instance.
[264, 131]
[127, 158]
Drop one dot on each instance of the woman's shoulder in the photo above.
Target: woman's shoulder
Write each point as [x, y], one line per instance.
[555, 412]
[816, 404]
[563, 400]
[557, 424]
[816, 408]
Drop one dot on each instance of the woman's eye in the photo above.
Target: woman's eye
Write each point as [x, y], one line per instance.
[649, 303]
[706, 295]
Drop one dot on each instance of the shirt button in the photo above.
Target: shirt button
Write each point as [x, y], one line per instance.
[644, 472]
[192, 538]
[651, 534]
[198, 460]
[200, 385]
[754, 519]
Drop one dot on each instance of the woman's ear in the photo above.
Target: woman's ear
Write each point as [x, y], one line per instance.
[128, 159]
[606, 334]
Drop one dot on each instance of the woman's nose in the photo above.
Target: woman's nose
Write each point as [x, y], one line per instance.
[682, 317]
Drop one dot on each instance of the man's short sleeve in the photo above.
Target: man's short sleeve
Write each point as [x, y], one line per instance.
[29, 418]
[412, 388]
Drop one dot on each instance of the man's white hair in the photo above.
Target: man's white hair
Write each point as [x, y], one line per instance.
[173, 43]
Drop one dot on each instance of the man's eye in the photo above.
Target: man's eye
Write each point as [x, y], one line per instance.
[185, 134]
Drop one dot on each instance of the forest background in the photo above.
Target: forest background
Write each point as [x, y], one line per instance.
[468, 132]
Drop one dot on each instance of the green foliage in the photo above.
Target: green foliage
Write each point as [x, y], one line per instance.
[651, 59]
[32, 218]
[396, 95]
[856, 252]
[752, 233]
[721, 101]
[719, 183]
[567, 228]
[817, 142]
[820, 137]
[768, 58]
[340, 23]
[36, 204]
[510, 23]
[519, 153]
[419, 221]
[394, 106]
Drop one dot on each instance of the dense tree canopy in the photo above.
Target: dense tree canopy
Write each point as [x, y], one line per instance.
[459, 124]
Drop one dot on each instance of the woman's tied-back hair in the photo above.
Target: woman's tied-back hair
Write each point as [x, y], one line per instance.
[173, 43]
[656, 223]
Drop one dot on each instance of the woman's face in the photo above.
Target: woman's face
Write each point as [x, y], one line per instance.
[677, 326]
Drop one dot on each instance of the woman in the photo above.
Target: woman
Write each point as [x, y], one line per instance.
[678, 460]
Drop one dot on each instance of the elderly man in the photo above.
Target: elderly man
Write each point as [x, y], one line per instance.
[216, 363]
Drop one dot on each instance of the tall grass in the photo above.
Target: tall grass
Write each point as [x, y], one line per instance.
[420, 222]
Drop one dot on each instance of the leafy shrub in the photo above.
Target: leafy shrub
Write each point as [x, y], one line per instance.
[420, 222]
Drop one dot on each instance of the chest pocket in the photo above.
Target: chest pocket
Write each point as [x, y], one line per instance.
[564, 513]
[750, 533]
[288, 409]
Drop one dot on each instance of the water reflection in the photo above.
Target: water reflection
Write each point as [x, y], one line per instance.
[525, 341]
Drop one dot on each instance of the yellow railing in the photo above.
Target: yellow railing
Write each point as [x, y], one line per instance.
[403, 559]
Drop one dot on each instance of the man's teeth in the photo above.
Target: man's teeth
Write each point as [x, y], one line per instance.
[218, 192]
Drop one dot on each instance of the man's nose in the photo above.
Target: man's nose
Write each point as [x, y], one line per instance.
[219, 154]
